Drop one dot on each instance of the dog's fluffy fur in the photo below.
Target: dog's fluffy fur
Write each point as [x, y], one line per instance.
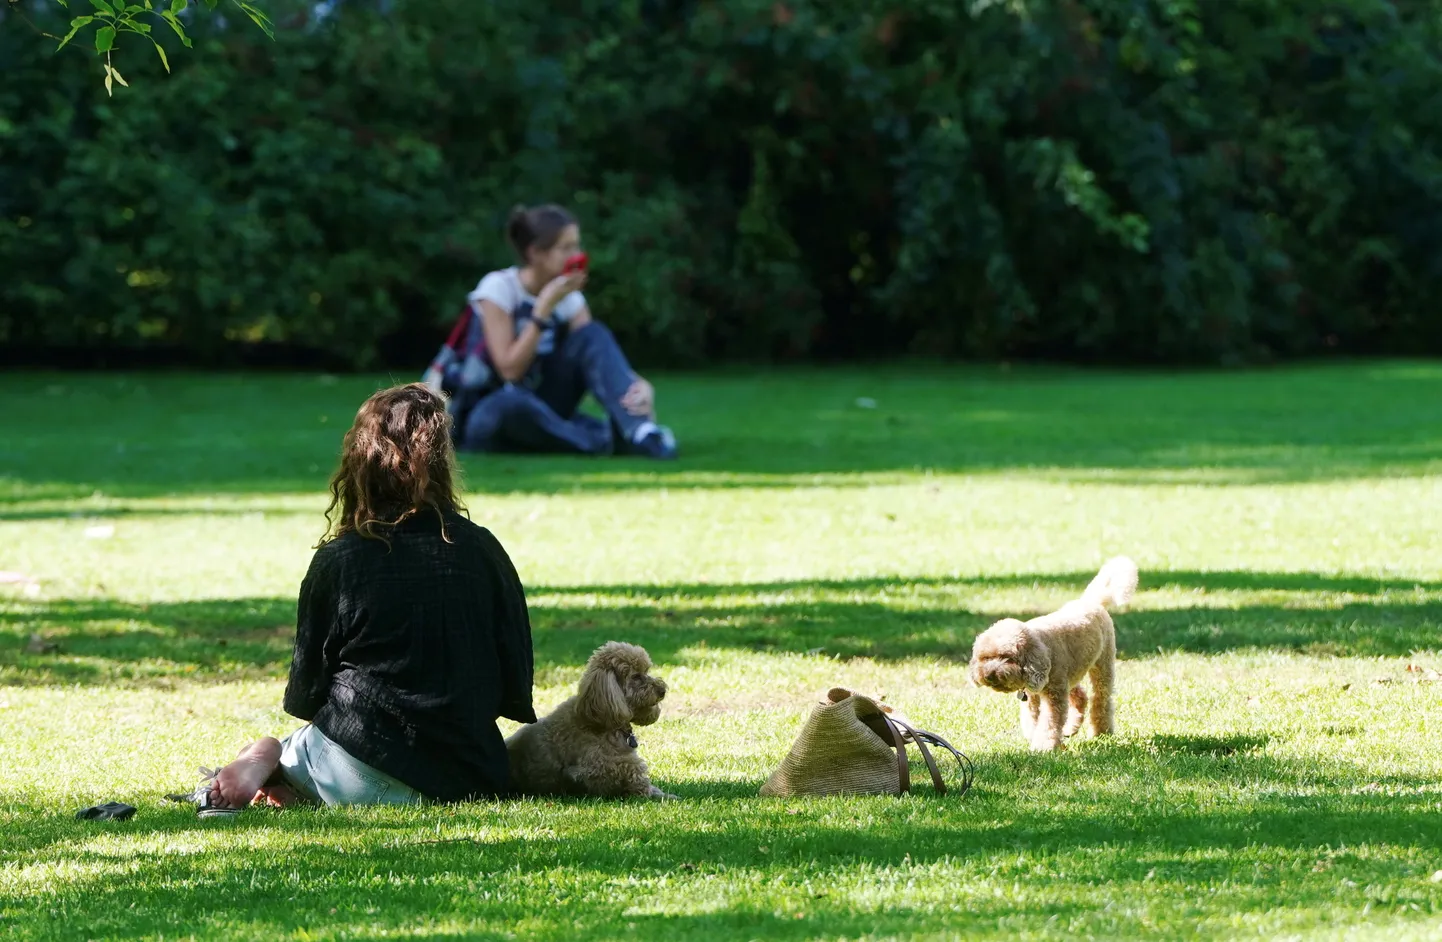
[1047, 658]
[585, 746]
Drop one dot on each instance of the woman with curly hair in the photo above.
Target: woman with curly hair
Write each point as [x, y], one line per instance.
[412, 635]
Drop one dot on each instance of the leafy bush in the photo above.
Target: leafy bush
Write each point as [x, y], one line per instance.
[1108, 179]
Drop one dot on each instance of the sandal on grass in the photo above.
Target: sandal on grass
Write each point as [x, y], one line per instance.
[110, 811]
[205, 803]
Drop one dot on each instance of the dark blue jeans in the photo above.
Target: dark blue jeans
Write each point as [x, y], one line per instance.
[542, 417]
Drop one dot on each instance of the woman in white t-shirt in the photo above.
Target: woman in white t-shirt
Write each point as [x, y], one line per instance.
[543, 351]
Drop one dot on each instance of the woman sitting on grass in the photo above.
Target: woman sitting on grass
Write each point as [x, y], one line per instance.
[412, 635]
[532, 351]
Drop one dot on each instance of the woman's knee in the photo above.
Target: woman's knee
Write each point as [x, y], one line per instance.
[593, 332]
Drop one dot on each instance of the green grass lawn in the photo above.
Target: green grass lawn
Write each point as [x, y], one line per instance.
[1277, 771]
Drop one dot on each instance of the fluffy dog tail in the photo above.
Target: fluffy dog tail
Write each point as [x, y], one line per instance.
[1114, 585]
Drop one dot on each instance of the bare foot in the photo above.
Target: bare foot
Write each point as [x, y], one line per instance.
[236, 784]
[277, 796]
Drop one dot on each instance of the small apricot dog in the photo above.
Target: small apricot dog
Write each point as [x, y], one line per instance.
[1044, 660]
[586, 746]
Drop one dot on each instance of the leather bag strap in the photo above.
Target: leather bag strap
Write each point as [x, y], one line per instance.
[903, 771]
[963, 763]
[913, 734]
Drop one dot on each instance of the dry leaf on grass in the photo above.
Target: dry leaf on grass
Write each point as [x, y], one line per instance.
[38, 645]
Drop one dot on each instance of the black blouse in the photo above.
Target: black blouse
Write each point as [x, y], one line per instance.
[406, 655]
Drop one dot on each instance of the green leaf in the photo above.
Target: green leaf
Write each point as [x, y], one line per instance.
[163, 60]
[258, 17]
[135, 26]
[178, 6]
[75, 25]
[103, 7]
[175, 25]
[104, 39]
[112, 72]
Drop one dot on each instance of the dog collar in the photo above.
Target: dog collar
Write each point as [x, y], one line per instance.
[631, 738]
[1021, 695]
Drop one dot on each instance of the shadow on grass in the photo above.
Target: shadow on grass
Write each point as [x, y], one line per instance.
[116, 513]
[151, 435]
[1040, 835]
[1209, 745]
[110, 642]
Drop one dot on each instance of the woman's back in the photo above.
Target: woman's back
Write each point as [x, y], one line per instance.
[412, 632]
[412, 635]
[407, 653]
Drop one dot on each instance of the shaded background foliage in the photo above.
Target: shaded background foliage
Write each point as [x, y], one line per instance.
[1176, 180]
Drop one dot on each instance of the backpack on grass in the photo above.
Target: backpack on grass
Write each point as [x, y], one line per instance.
[461, 370]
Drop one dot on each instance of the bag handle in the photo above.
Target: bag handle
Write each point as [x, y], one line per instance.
[968, 772]
[921, 737]
[898, 739]
[898, 731]
[909, 732]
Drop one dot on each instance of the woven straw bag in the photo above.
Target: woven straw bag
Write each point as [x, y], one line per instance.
[852, 744]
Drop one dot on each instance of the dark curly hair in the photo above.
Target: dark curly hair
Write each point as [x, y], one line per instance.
[396, 460]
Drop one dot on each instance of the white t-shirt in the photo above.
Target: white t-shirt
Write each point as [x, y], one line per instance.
[504, 289]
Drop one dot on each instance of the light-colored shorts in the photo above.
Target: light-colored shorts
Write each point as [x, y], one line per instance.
[321, 771]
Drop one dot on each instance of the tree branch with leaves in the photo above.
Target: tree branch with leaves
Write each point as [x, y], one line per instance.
[114, 17]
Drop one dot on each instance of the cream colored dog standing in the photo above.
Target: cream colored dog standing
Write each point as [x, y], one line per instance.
[1044, 660]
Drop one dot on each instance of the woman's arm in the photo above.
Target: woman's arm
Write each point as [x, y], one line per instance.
[512, 354]
[316, 615]
[513, 637]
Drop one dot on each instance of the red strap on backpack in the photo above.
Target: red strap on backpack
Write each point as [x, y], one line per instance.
[454, 340]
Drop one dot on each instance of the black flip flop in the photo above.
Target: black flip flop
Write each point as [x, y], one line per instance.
[110, 811]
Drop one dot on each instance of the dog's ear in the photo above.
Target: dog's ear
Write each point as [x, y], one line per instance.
[600, 700]
[973, 672]
[1035, 661]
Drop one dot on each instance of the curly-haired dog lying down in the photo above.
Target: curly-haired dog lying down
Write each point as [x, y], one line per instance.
[1045, 659]
[586, 746]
